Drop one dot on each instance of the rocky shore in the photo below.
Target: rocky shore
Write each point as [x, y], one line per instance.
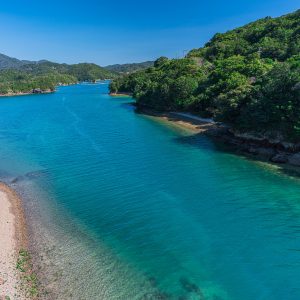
[260, 147]
[33, 92]
[275, 151]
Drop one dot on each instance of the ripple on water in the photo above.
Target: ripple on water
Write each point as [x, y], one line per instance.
[123, 207]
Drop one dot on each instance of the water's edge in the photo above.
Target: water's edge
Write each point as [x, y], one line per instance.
[144, 210]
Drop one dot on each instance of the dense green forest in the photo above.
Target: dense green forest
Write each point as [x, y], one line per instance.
[248, 78]
[82, 71]
[15, 81]
[19, 76]
[130, 68]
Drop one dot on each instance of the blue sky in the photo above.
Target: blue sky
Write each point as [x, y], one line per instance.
[115, 31]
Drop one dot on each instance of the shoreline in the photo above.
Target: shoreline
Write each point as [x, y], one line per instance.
[13, 238]
[194, 124]
[26, 93]
[120, 94]
[257, 149]
[49, 91]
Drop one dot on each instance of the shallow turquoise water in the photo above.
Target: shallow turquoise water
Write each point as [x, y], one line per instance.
[132, 208]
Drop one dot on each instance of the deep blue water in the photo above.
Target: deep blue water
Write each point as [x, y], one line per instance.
[129, 207]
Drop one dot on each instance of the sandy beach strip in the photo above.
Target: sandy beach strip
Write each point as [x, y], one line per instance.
[121, 95]
[12, 239]
[183, 120]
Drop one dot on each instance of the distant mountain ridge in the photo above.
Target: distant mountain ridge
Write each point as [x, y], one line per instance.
[7, 62]
[130, 68]
[24, 76]
[82, 71]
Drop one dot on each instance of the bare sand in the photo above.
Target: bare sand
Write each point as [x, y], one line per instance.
[186, 121]
[12, 239]
[120, 94]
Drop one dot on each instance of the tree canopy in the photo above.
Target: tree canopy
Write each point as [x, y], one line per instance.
[248, 77]
[24, 76]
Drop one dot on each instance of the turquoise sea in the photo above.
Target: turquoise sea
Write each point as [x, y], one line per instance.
[122, 206]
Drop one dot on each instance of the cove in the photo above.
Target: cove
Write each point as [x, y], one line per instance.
[120, 206]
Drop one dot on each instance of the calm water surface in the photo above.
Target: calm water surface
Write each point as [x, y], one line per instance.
[121, 206]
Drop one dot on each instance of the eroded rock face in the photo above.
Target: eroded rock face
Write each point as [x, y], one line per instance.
[274, 150]
[294, 159]
[279, 158]
[266, 153]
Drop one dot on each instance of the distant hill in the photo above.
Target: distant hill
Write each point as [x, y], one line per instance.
[23, 76]
[81, 71]
[7, 62]
[129, 68]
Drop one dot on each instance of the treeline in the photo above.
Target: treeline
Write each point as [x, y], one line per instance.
[82, 71]
[45, 75]
[248, 77]
[129, 68]
[14, 81]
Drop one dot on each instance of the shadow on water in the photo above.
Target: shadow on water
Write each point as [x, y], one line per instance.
[201, 141]
[128, 105]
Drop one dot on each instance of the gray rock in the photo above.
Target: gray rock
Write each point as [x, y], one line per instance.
[288, 146]
[266, 151]
[279, 158]
[294, 159]
[263, 151]
[253, 150]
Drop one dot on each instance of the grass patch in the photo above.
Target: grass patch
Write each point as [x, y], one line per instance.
[29, 278]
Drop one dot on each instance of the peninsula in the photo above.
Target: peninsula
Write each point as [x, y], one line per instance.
[247, 78]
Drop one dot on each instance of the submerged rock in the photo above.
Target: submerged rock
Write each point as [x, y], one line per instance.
[29, 175]
[182, 298]
[191, 287]
[36, 174]
[155, 296]
[16, 179]
[153, 281]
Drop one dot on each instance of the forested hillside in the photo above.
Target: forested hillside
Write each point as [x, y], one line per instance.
[15, 81]
[130, 68]
[248, 77]
[82, 71]
[17, 76]
[7, 62]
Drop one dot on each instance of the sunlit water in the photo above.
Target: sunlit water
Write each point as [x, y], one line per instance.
[121, 206]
